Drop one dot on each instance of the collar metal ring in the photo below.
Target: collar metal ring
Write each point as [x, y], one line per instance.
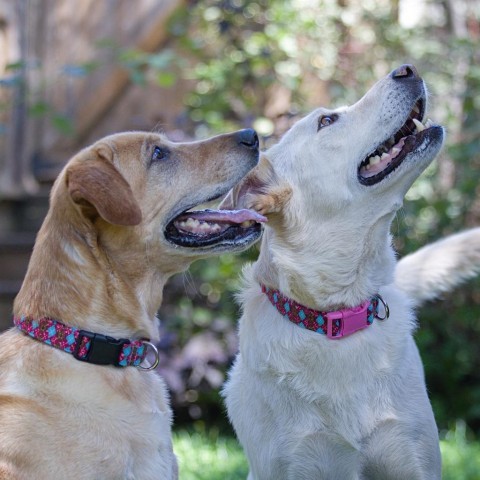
[385, 306]
[155, 351]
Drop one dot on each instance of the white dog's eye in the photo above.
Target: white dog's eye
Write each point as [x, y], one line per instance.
[160, 153]
[326, 120]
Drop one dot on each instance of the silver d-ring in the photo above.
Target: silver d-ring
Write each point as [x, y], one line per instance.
[157, 358]
[385, 306]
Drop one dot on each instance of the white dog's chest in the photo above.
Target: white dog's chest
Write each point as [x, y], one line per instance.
[350, 411]
[296, 402]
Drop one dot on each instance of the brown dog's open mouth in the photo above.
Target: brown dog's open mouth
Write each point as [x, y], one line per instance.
[205, 228]
[390, 154]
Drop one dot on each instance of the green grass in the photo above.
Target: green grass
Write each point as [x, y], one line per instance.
[209, 456]
[461, 458]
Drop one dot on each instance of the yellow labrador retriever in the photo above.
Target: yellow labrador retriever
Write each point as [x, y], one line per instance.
[328, 383]
[76, 399]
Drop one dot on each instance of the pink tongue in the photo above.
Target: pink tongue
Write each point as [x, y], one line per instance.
[232, 216]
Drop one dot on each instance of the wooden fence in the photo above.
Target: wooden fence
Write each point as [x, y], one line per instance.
[66, 69]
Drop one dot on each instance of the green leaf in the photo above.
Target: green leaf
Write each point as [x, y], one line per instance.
[106, 43]
[63, 124]
[15, 66]
[38, 109]
[166, 79]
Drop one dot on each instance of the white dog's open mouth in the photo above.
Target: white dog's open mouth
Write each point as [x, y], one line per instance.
[205, 228]
[391, 153]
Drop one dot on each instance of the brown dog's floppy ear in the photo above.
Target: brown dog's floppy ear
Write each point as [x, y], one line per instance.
[266, 193]
[95, 182]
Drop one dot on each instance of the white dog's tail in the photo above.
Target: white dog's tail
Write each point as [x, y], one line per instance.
[439, 267]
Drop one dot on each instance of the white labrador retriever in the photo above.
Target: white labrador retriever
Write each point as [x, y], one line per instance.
[328, 383]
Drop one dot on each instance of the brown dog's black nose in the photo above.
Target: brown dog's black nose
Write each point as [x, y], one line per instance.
[248, 138]
[405, 71]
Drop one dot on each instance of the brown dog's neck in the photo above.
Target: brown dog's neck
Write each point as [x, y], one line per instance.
[72, 277]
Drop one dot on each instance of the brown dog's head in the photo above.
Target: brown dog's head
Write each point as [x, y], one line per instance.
[142, 185]
[119, 225]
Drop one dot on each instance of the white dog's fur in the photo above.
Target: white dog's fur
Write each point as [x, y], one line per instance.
[439, 267]
[304, 406]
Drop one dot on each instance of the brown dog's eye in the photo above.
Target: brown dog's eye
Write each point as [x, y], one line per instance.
[160, 153]
[326, 120]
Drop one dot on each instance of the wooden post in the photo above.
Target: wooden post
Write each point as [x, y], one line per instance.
[16, 176]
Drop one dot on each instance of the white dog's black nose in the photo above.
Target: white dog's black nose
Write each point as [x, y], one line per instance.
[248, 138]
[405, 71]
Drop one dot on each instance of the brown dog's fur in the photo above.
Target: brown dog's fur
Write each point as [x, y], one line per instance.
[99, 263]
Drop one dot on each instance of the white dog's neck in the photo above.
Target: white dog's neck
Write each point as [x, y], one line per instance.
[326, 270]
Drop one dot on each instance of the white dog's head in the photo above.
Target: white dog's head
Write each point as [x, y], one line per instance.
[331, 186]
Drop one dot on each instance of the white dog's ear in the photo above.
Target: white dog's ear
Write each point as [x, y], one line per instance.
[261, 190]
[98, 187]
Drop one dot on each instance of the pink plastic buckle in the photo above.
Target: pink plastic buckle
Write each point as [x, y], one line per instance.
[351, 320]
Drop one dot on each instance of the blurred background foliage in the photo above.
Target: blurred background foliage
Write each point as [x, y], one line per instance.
[264, 63]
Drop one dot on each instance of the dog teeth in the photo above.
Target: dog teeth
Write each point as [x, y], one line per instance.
[390, 148]
[247, 223]
[209, 227]
[194, 226]
[416, 109]
[395, 151]
[190, 223]
[420, 126]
